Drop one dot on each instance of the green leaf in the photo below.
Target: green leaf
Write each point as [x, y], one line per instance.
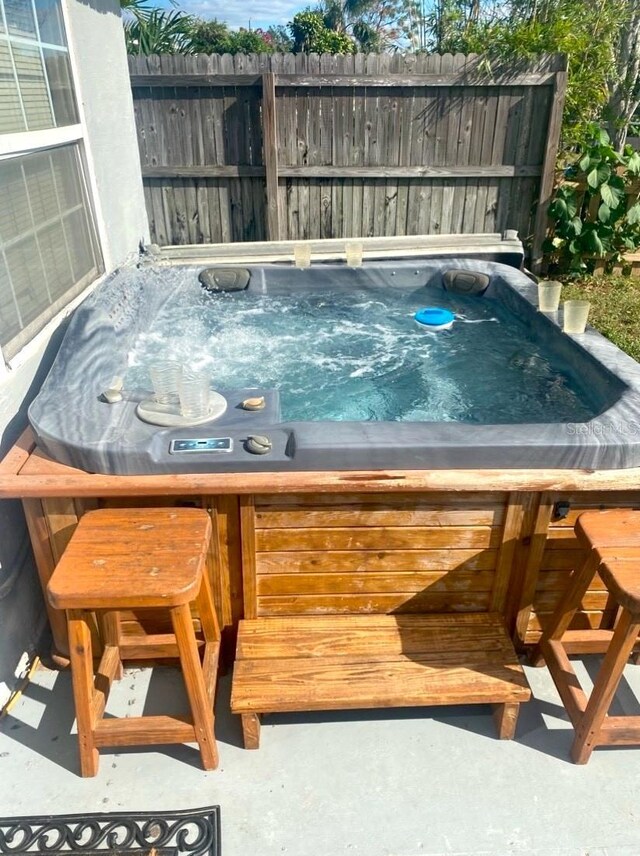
[598, 176]
[571, 203]
[576, 225]
[558, 209]
[609, 153]
[611, 196]
[633, 164]
[602, 137]
[557, 242]
[633, 214]
[592, 243]
[585, 162]
[604, 213]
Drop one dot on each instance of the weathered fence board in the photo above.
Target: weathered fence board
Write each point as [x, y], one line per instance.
[289, 146]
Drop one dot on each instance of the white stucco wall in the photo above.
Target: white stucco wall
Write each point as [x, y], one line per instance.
[97, 49]
[99, 61]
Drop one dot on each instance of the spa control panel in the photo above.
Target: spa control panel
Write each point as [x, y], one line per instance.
[201, 444]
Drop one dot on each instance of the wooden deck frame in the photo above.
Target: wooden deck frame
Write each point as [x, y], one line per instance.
[528, 565]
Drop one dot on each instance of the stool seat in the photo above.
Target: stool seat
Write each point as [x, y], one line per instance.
[613, 527]
[122, 558]
[622, 577]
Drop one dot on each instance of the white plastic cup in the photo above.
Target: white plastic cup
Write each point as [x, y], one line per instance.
[195, 392]
[353, 250]
[302, 255]
[576, 313]
[549, 295]
[165, 379]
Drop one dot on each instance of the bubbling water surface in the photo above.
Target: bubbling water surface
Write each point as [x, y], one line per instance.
[356, 354]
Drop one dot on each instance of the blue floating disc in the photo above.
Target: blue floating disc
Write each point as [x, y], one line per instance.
[434, 318]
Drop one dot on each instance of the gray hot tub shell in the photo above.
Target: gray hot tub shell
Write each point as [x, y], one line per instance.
[76, 427]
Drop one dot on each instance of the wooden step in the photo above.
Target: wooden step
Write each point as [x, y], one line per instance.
[362, 661]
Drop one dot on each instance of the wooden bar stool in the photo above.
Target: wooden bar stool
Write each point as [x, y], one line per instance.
[138, 558]
[612, 539]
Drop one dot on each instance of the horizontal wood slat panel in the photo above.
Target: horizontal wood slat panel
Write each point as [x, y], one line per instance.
[203, 171]
[417, 80]
[162, 79]
[376, 538]
[426, 499]
[443, 581]
[338, 80]
[375, 603]
[560, 538]
[339, 515]
[357, 685]
[332, 561]
[425, 171]
[546, 601]
[558, 581]
[322, 636]
[340, 172]
[558, 560]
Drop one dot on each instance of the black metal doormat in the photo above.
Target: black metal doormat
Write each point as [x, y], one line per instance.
[191, 832]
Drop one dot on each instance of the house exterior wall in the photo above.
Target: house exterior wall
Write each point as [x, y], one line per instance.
[99, 62]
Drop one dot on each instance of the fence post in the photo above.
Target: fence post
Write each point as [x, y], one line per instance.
[548, 169]
[270, 149]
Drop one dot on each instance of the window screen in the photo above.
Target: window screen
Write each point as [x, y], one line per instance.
[36, 91]
[48, 249]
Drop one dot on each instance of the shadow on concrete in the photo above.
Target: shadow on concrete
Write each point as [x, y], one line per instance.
[53, 735]
[44, 721]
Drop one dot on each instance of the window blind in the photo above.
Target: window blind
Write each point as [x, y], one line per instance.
[36, 90]
[48, 247]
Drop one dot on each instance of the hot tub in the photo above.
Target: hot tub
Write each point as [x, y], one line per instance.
[349, 380]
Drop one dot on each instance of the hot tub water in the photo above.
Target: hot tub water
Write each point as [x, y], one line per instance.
[354, 353]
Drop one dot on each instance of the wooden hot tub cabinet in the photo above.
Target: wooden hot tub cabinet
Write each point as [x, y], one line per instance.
[352, 543]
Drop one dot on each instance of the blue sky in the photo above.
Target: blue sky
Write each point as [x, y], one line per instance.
[238, 13]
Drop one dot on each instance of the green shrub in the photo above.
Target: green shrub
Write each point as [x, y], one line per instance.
[590, 213]
[214, 37]
[311, 35]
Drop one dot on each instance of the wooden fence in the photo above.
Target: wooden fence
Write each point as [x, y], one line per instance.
[292, 146]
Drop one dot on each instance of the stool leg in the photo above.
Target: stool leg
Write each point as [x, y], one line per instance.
[211, 632]
[109, 624]
[81, 655]
[251, 730]
[505, 717]
[606, 684]
[201, 707]
[567, 605]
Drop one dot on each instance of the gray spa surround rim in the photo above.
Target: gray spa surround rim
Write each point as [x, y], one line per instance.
[102, 438]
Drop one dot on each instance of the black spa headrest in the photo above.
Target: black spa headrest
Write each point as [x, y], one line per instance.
[224, 279]
[465, 281]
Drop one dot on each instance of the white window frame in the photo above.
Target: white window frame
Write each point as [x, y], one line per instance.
[27, 142]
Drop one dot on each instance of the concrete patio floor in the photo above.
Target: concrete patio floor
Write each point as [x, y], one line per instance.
[376, 783]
